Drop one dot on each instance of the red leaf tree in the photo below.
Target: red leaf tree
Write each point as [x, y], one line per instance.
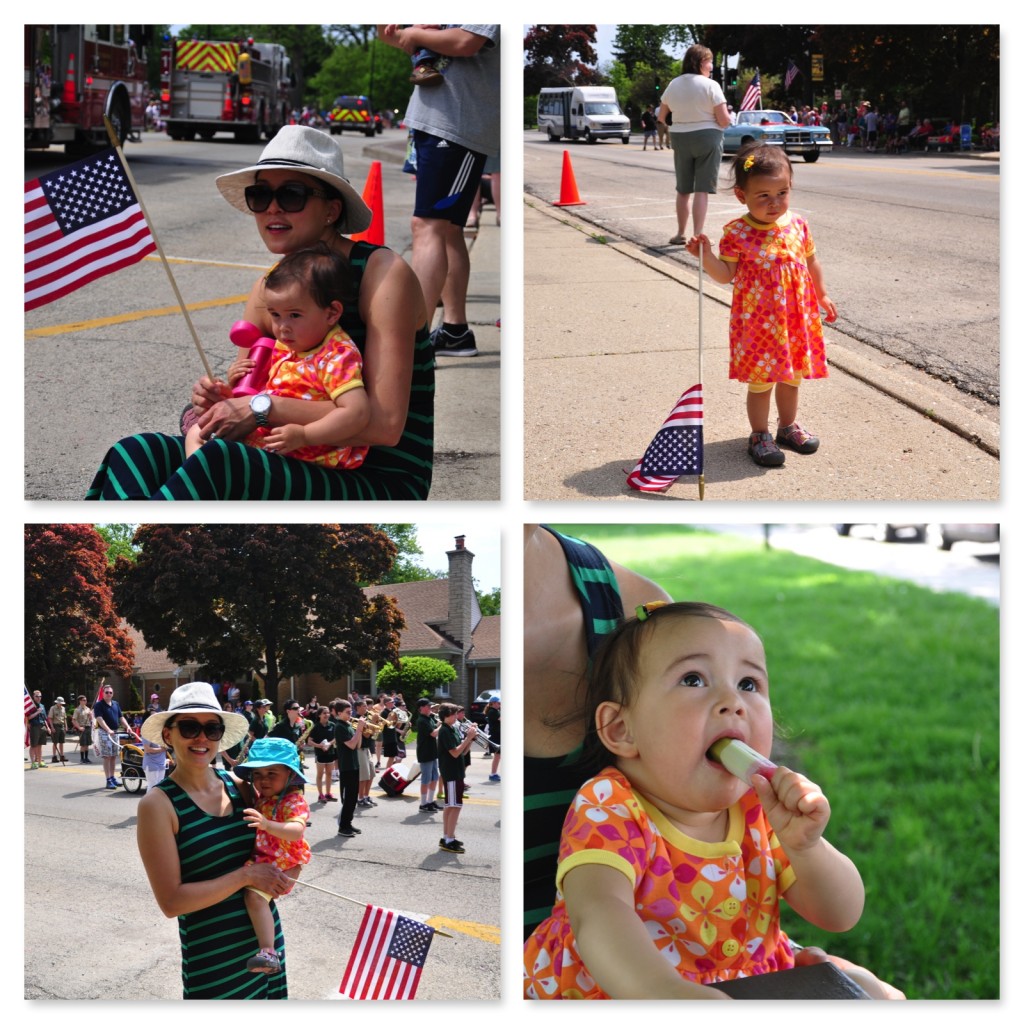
[73, 635]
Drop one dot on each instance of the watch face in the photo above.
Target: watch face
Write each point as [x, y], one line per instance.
[260, 404]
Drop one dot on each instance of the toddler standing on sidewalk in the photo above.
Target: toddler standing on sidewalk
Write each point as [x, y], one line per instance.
[775, 334]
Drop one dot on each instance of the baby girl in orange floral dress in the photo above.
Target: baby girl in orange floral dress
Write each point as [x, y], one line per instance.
[775, 335]
[670, 868]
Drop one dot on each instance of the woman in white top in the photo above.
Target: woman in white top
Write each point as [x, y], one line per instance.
[699, 117]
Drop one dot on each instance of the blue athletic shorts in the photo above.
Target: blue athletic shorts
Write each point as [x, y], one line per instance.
[447, 176]
[428, 772]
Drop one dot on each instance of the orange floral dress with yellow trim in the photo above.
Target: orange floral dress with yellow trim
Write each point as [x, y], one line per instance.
[775, 324]
[711, 909]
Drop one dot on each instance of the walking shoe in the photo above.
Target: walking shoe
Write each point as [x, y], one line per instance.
[435, 806]
[33, 766]
[369, 802]
[266, 961]
[494, 778]
[429, 808]
[794, 436]
[111, 783]
[348, 833]
[424, 74]
[40, 764]
[452, 846]
[763, 449]
[447, 344]
[331, 798]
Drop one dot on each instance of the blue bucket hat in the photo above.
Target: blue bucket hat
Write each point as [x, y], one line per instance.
[272, 750]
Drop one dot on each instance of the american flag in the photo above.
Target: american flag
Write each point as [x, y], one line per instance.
[752, 97]
[81, 222]
[678, 447]
[791, 72]
[388, 956]
[30, 704]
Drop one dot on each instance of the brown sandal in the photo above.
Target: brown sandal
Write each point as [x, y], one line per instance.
[763, 449]
[794, 436]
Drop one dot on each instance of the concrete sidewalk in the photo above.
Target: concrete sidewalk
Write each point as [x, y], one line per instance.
[611, 340]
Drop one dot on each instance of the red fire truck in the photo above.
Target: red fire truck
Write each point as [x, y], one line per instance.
[74, 74]
[211, 86]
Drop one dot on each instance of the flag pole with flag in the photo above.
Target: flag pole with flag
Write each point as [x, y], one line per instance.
[87, 220]
[388, 956]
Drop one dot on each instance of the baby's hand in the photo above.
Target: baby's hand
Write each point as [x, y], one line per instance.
[239, 368]
[795, 807]
[285, 439]
[254, 818]
[693, 246]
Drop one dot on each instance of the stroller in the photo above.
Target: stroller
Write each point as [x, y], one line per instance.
[133, 777]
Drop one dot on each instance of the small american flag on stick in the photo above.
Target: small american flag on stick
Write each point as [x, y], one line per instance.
[82, 222]
[388, 956]
[678, 447]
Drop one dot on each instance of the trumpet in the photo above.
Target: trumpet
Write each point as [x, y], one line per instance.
[372, 724]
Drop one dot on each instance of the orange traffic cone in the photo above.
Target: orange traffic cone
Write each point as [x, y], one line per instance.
[373, 196]
[69, 82]
[570, 194]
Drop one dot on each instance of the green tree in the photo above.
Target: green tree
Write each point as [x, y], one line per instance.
[73, 635]
[119, 540]
[404, 570]
[354, 69]
[416, 677]
[490, 604]
[236, 597]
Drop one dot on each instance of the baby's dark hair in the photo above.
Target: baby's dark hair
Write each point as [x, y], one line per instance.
[757, 158]
[614, 673]
[319, 270]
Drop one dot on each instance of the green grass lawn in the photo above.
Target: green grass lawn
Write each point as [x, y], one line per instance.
[887, 695]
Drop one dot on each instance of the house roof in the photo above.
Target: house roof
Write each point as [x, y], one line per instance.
[424, 602]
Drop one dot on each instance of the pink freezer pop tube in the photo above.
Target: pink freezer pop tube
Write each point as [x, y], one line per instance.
[735, 756]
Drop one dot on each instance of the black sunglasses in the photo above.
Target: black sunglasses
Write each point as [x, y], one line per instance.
[190, 729]
[291, 197]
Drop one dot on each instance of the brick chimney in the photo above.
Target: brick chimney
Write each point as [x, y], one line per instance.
[462, 613]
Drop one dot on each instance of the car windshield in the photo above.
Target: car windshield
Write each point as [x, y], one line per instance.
[601, 108]
[760, 116]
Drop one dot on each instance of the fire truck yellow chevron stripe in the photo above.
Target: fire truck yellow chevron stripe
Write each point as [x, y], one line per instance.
[196, 55]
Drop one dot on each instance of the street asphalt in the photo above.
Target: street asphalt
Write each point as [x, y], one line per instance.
[612, 337]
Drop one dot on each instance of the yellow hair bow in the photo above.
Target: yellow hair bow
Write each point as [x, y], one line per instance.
[748, 163]
[643, 611]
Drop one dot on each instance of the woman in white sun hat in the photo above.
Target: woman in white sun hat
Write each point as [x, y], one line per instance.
[196, 846]
[299, 196]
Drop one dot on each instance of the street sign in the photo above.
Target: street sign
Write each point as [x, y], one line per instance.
[817, 67]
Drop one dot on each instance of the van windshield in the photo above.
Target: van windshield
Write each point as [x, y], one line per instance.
[601, 108]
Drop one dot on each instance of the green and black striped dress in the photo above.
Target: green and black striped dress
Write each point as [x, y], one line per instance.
[550, 783]
[216, 942]
[153, 466]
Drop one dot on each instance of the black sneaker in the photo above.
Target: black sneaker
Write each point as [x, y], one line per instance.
[348, 833]
[447, 344]
[452, 846]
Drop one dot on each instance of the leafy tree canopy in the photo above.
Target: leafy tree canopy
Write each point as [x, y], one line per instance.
[235, 597]
[490, 604]
[369, 68]
[416, 677]
[405, 570]
[559, 55]
[119, 540]
[73, 635]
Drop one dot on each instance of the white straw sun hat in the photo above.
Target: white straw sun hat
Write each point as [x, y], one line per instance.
[197, 698]
[309, 151]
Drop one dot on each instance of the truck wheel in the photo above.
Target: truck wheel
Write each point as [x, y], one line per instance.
[119, 110]
[588, 138]
[625, 140]
[251, 133]
[553, 136]
[810, 158]
[206, 133]
[370, 132]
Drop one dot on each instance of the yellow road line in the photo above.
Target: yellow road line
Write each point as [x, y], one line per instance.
[124, 318]
[487, 932]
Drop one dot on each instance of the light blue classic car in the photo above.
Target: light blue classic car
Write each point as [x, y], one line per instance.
[775, 128]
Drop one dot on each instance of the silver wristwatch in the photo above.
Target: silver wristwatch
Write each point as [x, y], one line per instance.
[260, 405]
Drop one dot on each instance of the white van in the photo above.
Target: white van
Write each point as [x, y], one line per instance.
[588, 112]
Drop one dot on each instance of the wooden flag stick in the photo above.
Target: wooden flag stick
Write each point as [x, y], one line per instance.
[700, 346]
[159, 248]
[348, 899]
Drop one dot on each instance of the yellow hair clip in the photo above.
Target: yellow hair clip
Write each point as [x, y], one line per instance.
[748, 163]
[643, 611]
